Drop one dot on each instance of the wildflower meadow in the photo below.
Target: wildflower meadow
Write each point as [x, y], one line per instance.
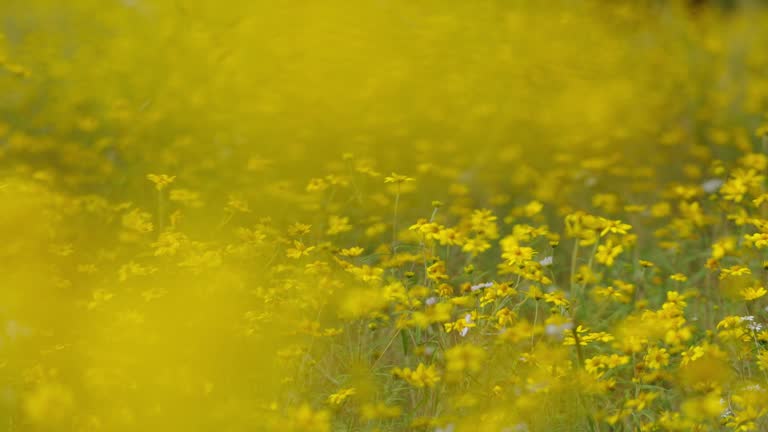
[383, 215]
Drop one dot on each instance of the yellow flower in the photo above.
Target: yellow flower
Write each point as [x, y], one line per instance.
[597, 364]
[139, 221]
[168, 243]
[641, 401]
[437, 272]
[557, 298]
[397, 178]
[740, 183]
[338, 224]
[464, 358]
[422, 377]
[615, 227]
[518, 255]
[341, 396]
[760, 240]
[236, 204]
[679, 277]
[299, 229]
[475, 246]
[449, 237]
[461, 325]
[185, 197]
[753, 293]
[160, 180]
[735, 270]
[533, 208]
[352, 252]
[367, 273]
[299, 250]
[307, 419]
[656, 358]
[762, 360]
[608, 252]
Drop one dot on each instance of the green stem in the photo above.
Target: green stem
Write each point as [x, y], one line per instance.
[394, 221]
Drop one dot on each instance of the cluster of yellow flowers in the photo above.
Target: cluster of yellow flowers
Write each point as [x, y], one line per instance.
[199, 231]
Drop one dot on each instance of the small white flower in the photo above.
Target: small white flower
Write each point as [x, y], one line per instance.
[727, 411]
[557, 330]
[711, 185]
[481, 286]
[551, 329]
[465, 330]
[751, 324]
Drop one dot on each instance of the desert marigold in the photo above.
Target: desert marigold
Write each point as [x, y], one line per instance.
[161, 181]
[753, 293]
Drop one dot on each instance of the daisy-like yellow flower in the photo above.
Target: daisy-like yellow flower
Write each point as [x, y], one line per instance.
[464, 358]
[352, 252]
[762, 360]
[736, 270]
[299, 250]
[475, 246]
[341, 396]
[760, 240]
[398, 178]
[607, 253]
[422, 376]
[615, 227]
[299, 229]
[762, 131]
[656, 358]
[753, 293]
[679, 277]
[338, 225]
[160, 180]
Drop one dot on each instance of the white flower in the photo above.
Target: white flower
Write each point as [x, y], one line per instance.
[557, 330]
[465, 330]
[751, 324]
[481, 286]
[711, 185]
[727, 411]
